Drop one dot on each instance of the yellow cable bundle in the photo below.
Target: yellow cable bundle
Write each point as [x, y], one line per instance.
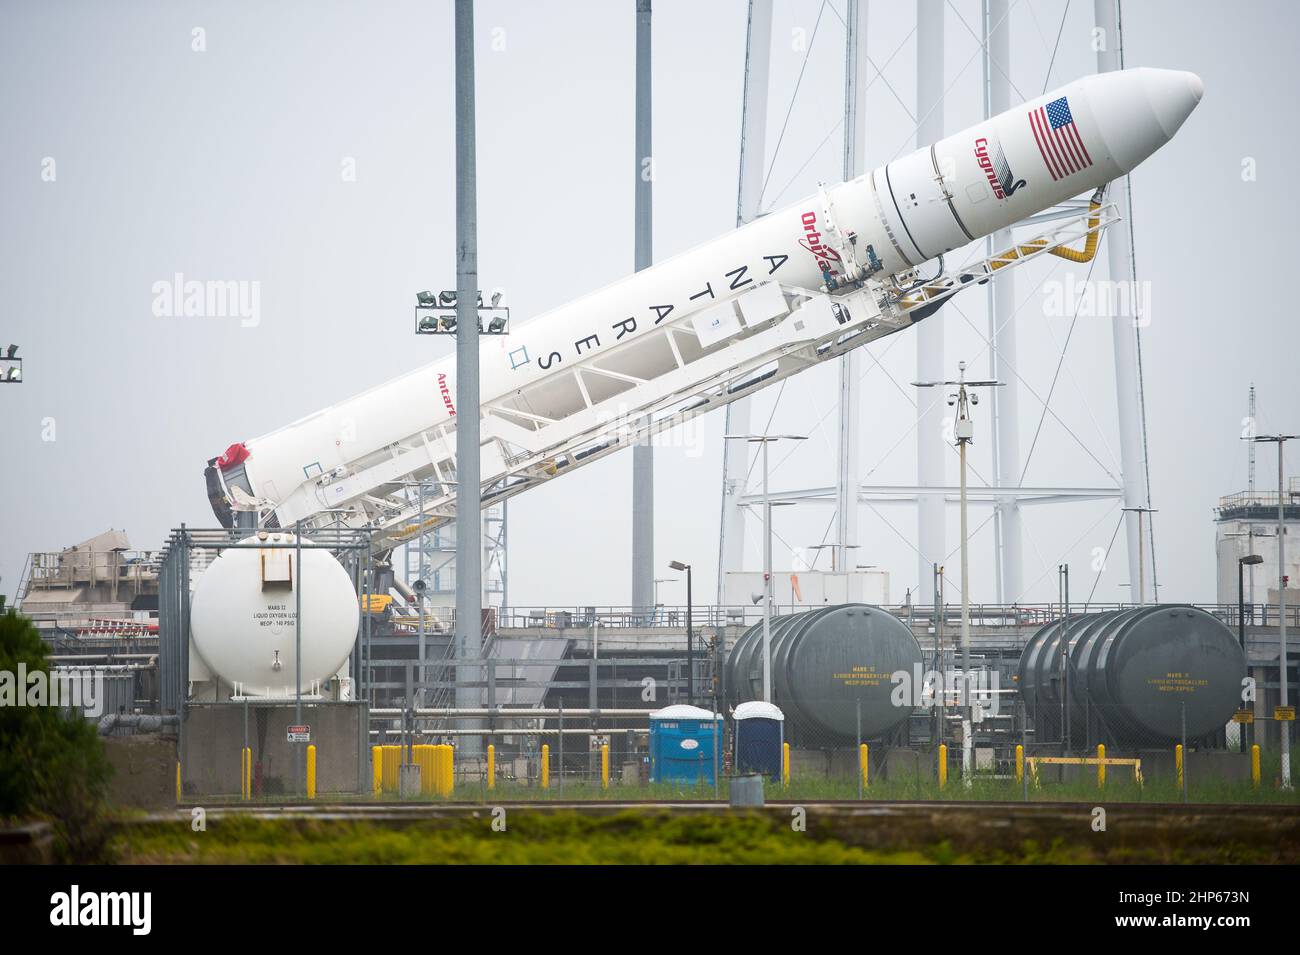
[1073, 255]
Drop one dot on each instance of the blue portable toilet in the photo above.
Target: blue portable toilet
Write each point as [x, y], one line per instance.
[760, 733]
[682, 744]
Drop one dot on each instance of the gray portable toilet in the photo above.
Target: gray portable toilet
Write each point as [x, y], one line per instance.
[759, 735]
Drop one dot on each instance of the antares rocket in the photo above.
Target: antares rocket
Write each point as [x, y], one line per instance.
[798, 286]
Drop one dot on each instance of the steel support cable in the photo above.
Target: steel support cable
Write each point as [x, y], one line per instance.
[1028, 386]
[812, 40]
[1105, 558]
[879, 71]
[1024, 590]
[1137, 333]
[880, 75]
[988, 344]
[984, 48]
[937, 103]
[1038, 430]
[1083, 396]
[1052, 62]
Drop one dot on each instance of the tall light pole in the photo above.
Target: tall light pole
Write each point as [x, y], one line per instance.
[469, 553]
[1284, 726]
[690, 636]
[765, 440]
[963, 433]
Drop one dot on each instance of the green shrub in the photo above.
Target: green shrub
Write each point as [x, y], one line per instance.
[52, 763]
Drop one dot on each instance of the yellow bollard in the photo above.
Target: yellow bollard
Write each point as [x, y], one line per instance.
[1101, 767]
[785, 764]
[420, 757]
[377, 770]
[392, 767]
[492, 767]
[943, 765]
[604, 766]
[864, 765]
[446, 770]
[1178, 763]
[1254, 765]
[178, 780]
[248, 771]
[1020, 763]
[311, 771]
[546, 766]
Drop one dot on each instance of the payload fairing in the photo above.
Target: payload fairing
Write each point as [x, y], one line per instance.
[796, 287]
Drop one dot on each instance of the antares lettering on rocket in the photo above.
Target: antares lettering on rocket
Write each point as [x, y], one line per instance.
[795, 287]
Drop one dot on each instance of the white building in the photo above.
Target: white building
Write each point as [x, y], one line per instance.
[1247, 524]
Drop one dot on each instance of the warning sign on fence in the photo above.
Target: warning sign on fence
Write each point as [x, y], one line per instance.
[299, 734]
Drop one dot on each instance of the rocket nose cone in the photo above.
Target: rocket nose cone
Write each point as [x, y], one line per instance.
[1173, 94]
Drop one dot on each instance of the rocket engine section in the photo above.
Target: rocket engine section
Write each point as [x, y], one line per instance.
[243, 615]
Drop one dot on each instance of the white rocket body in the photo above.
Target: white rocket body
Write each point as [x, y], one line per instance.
[985, 178]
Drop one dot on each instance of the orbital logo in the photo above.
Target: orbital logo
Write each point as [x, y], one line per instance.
[996, 168]
[827, 258]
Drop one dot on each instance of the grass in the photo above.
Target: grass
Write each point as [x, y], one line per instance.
[530, 838]
[1120, 788]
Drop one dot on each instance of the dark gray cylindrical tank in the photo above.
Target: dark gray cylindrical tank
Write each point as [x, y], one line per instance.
[824, 662]
[1136, 674]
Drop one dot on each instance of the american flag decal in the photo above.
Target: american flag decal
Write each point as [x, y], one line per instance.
[1058, 139]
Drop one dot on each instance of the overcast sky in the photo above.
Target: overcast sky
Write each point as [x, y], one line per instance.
[307, 147]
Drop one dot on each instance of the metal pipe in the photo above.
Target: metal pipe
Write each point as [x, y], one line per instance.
[150, 723]
[767, 584]
[505, 714]
[1283, 666]
[753, 132]
[1002, 332]
[469, 558]
[930, 337]
[521, 732]
[643, 488]
[856, 71]
[1124, 333]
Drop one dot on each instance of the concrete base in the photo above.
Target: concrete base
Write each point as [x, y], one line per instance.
[144, 771]
[903, 765]
[214, 733]
[408, 784]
